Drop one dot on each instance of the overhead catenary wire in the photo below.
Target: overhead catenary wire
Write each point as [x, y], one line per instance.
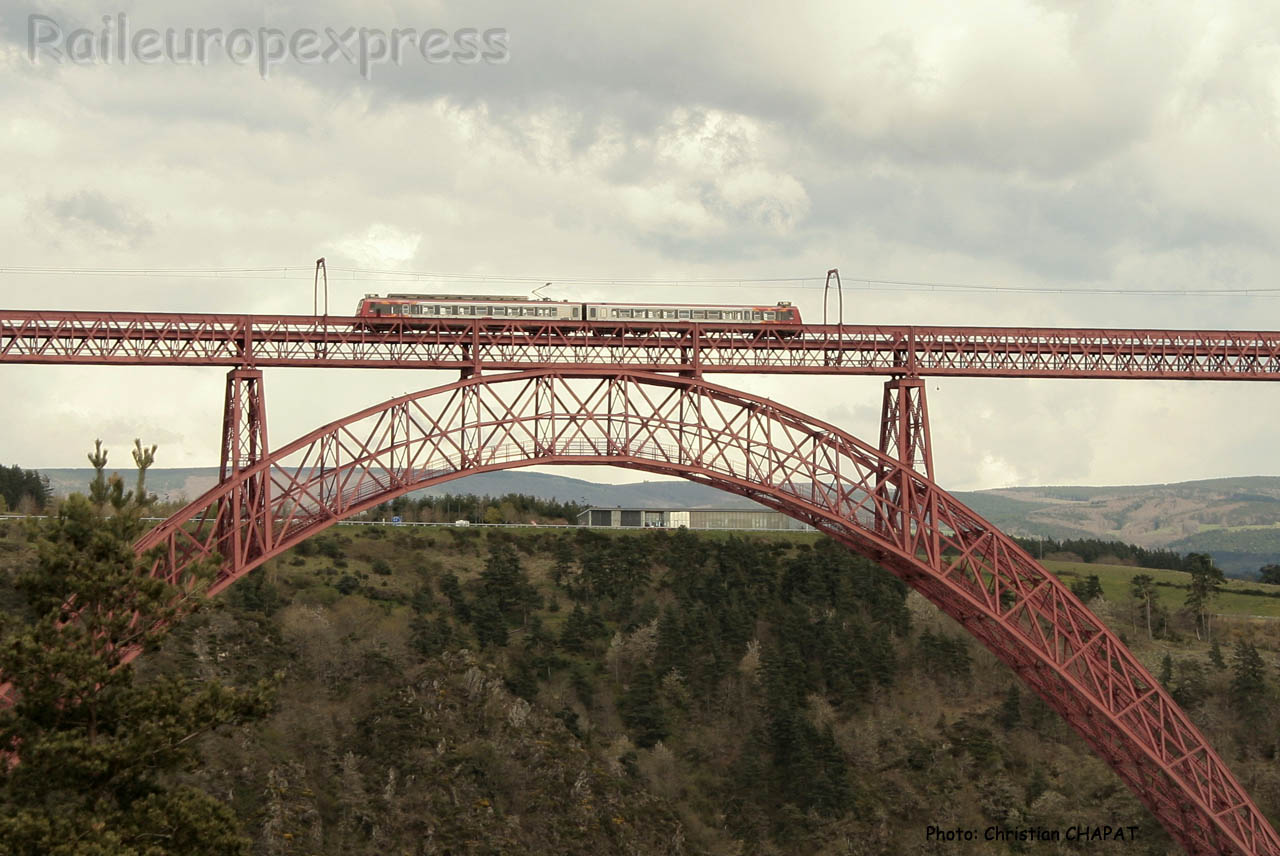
[392, 276]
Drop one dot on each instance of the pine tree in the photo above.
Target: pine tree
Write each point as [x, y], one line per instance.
[575, 633]
[91, 747]
[1206, 579]
[1092, 587]
[504, 582]
[1166, 672]
[563, 566]
[641, 709]
[1215, 656]
[831, 792]
[489, 623]
[1010, 715]
[429, 638]
[451, 588]
[1248, 681]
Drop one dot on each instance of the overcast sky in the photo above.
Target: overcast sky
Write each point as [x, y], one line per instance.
[1060, 146]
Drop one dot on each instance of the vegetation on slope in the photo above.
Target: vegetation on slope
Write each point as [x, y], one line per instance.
[501, 691]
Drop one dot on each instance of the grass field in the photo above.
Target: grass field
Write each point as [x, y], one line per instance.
[1171, 588]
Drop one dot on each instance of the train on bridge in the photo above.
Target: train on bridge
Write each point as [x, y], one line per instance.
[380, 311]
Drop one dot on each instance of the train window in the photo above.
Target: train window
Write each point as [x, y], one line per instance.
[757, 315]
[593, 311]
[770, 316]
[499, 310]
[683, 313]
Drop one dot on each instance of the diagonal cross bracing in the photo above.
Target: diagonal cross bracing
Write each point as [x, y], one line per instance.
[784, 460]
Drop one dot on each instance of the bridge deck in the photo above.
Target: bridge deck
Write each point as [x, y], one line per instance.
[260, 341]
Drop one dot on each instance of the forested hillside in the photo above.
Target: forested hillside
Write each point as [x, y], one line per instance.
[514, 691]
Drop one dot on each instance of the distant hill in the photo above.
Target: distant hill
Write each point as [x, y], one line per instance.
[1237, 520]
[173, 484]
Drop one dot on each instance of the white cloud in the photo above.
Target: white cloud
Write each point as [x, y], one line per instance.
[380, 246]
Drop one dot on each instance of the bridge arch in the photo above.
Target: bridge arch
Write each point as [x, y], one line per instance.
[781, 458]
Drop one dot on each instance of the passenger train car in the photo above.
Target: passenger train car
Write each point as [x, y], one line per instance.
[381, 311]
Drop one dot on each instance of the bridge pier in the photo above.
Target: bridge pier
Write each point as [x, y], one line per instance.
[904, 425]
[905, 511]
[244, 520]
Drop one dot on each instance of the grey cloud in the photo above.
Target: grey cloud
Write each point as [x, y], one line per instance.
[88, 215]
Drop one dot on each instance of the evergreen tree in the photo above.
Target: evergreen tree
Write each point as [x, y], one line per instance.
[831, 792]
[503, 581]
[17, 485]
[1166, 672]
[1215, 656]
[641, 710]
[563, 566]
[451, 588]
[489, 623]
[1248, 681]
[91, 747]
[1206, 579]
[429, 638]
[1010, 715]
[1088, 588]
[1191, 686]
[576, 631]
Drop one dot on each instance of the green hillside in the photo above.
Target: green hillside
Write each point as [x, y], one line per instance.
[550, 692]
[1239, 598]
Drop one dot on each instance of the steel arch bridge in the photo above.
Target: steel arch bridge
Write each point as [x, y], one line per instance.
[881, 503]
[608, 393]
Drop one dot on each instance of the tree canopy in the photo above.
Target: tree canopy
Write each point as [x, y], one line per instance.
[92, 750]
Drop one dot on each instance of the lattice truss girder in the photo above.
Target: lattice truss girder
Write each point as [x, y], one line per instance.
[784, 460]
[126, 338]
